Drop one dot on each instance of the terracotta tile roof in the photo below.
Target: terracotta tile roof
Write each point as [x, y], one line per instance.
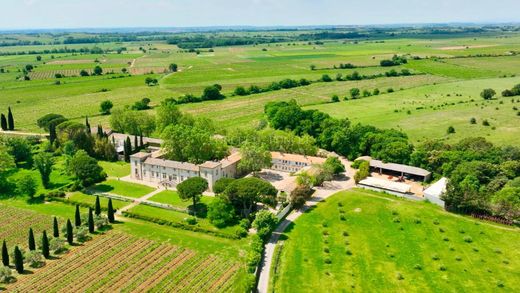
[297, 158]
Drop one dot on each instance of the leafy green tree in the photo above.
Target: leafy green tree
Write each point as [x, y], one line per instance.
[20, 149]
[5, 255]
[77, 134]
[104, 149]
[192, 189]
[488, 94]
[111, 212]
[132, 122]
[55, 228]
[212, 93]
[326, 78]
[300, 195]
[334, 165]
[192, 144]
[6, 165]
[173, 67]
[44, 163]
[50, 119]
[220, 212]
[254, 158]
[363, 171]
[10, 119]
[85, 169]
[334, 99]
[150, 81]
[507, 203]
[70, 234]
[98, 70]
[354, 93]
[265, 222]
[245, 193]
[240, 91]
[221, 184]
[26, 185]
[18, 260]
[105, 107]
[45, 245]
[167, 114]
[127, 149]
[31, 241]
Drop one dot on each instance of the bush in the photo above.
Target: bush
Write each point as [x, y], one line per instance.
[435, 257]
[442, 268]
[190, 220]
[450, 130]
[265, 222]
[399, 276]
[6, 275]
[473, 121]
[34, 259]
[57, 245]
[468, 239]
[81, 234]
[220, 212]
[328, 261]
[417, 267]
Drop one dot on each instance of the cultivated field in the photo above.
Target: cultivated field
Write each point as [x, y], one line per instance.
[15, 224]
[368, 242]
[120, 262]
[457, 65]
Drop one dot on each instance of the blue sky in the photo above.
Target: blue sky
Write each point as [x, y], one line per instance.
[17, 14]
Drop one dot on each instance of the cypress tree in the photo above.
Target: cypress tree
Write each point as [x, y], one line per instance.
[100, 131]
[77, 217]
[110, 211]
[87, 125]
[10, 119]
[97, 207]
[45, 245]
[127, 149]
[52, 133]
[136, 143]
[55, 228]
[90, 221]
[70, 235]
[32, 243]
[141, 144]
[5, 255]
[113, 141]
[18, 260]
[3, 122]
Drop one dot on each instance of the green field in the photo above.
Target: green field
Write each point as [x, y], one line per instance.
[459, 71]
[384, 243]
[123, 188]
[172, 198]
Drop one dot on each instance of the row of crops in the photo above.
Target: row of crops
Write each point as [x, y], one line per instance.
[123, 263]
[16, 222]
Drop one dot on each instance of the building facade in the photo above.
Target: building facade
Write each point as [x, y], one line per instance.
[151, 167]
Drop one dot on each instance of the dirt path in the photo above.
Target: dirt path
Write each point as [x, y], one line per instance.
[138, 201]
[321, 194]
[21, 133]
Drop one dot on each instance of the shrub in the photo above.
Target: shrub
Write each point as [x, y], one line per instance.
[325, 232]
[345, 233]
[435, 257]
[349, 252]
[473, 121]
[190, 220]
[468, 239]
[57, 245]
[34, 259]
[6, 275]
[441, 230]
[326, 250]
[498, 251]
[475, 249]
[399, 276]
[342, 218]
[461, 231]
[396, 220]
[417, 267]
[81, 233]
[442, 268]
[458, 258]
[446, 239]
[328, 261]
[417, 221]
[485, 122]
[436, 222]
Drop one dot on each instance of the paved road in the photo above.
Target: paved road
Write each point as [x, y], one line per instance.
[321, 194]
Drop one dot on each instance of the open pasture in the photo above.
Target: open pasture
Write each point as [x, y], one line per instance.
[426, 112]
[369, 242]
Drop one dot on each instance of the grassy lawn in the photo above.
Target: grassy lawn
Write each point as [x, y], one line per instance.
[178, 217]
[123, 188]
[116, 169]
[172, 198]
[78, 197]
[385, 244]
